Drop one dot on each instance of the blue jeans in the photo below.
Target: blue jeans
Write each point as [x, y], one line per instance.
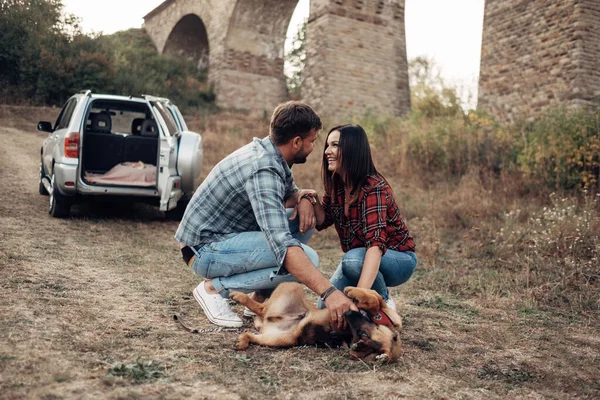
[396, 267]
[244, 261]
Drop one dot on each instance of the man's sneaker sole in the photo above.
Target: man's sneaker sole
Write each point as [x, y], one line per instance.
[216, 321]
[249, 313]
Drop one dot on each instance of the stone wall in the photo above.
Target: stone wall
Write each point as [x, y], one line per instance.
[537, 54]
[588, 30]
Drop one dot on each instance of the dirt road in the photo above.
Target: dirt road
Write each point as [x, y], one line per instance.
[87, 305]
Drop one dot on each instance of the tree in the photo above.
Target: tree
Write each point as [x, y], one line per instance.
[430, 95]
[32, 32]
[295, 61]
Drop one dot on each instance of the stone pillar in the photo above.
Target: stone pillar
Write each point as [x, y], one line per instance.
[538, 54]
[356, 59]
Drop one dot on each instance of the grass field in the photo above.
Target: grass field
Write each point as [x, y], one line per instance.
[504, 302]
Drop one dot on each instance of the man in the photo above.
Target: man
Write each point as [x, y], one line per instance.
[236, 231]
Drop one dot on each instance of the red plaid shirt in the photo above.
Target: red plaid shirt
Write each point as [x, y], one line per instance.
[373, 220]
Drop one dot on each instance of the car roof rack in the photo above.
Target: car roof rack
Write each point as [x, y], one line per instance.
[85, 92]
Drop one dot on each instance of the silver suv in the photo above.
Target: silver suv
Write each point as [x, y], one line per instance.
[106, 145]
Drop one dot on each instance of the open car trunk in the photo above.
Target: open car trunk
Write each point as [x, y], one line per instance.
[120, 145]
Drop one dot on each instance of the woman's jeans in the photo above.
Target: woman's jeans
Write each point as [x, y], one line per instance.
[395, 269]
[244, 261]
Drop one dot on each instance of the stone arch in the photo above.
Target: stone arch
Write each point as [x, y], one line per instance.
[252, 64]
[356, 52]
[189, 38]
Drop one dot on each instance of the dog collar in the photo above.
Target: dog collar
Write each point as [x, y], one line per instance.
[381, 318]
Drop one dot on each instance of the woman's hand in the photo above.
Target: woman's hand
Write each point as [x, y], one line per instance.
[304, 210]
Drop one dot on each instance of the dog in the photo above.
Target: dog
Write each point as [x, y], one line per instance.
[287, 319]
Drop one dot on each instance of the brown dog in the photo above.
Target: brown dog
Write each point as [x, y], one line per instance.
[287, 319]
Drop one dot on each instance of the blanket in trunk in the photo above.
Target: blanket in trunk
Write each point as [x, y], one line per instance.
[127, 173]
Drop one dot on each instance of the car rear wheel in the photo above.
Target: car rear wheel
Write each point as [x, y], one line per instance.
[177, 213]
[43, 190]
[59, 203]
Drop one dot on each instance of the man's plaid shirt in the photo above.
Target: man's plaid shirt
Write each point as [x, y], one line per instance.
[244, 192]
[373, 220]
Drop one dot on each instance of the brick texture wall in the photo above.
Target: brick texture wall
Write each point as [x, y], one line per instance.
[356, 58]
[537, 54]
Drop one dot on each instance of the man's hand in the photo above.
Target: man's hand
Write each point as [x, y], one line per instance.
[337, 303]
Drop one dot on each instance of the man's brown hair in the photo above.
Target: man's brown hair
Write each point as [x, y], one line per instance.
[292, 119]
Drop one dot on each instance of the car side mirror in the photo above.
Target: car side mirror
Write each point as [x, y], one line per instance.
[44, 126]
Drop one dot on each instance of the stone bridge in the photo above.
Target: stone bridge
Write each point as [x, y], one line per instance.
[535, 53]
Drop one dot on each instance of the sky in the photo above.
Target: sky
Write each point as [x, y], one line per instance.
[447, 31]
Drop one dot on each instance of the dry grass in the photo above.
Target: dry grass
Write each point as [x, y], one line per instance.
[504, 303]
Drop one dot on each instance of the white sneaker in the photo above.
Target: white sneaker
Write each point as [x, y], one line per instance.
[216, 308]
[391, 304]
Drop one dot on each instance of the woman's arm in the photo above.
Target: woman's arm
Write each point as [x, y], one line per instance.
[323, 214]
[370, 267]
[319, 211]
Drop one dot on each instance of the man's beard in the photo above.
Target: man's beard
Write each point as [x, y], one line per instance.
[300, 158]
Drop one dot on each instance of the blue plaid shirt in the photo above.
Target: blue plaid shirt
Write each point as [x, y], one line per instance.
[244, 192]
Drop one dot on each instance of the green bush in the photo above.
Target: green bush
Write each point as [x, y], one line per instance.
[562, 149]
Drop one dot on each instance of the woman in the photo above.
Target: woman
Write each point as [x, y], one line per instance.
[359, 201]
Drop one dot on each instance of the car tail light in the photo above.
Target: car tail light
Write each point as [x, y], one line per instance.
[72, 145]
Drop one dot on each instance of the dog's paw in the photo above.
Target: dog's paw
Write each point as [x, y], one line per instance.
[243, 342]
[364, 298]
[238, 297]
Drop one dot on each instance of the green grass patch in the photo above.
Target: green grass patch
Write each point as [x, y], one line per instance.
[138, 372]
[512, 374]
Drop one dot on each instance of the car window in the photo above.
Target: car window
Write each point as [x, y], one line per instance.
[178, 117]
[65, 115]
[123, 120]
[60, 115]
[166, 116]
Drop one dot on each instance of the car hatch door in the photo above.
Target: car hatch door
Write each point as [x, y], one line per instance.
[168, 180]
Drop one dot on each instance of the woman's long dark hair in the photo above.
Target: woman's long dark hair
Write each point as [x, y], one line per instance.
[354, 158]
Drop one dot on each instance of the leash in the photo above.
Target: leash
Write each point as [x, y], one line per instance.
[188, 328]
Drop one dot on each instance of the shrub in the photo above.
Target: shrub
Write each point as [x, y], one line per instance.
[139, 69]
[562, 149]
